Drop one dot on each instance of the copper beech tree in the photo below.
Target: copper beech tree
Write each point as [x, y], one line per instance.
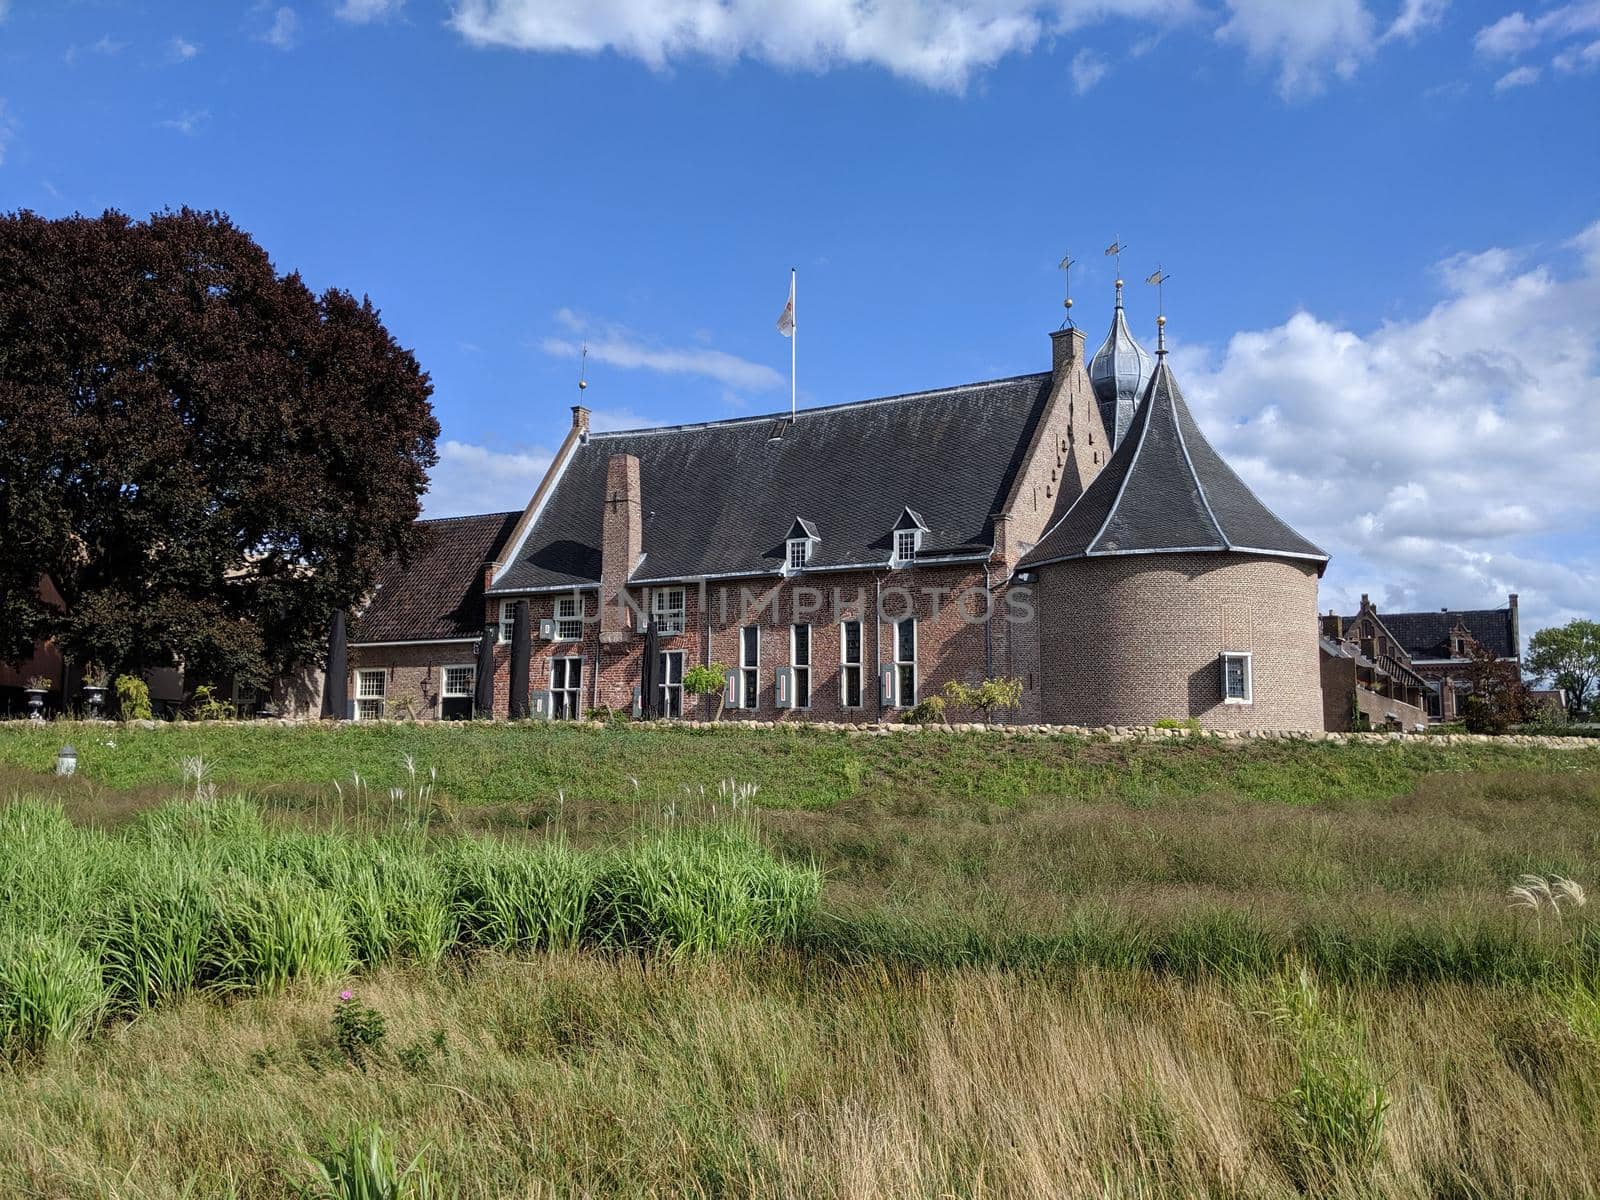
[202, 455]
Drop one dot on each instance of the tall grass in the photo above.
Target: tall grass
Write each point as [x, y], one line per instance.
[204, 894]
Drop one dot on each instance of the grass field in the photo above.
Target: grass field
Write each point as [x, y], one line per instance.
[1038, 967]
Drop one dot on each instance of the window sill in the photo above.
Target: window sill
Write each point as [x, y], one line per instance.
[1236, 701]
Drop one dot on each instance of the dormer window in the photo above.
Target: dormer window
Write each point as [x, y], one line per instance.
[908, 531]
[799, 545]
[905, 545]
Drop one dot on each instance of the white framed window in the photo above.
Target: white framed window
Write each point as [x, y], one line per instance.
[1235, 678]
[569, 618]
[905, 544]
[850, 663]
[905, 662]
[799, 553]
[749, 665]
[669, 669]
[666, 607]
[800, 664]
[372, 687]
[455, 691]
[566, 688]
[508, 619]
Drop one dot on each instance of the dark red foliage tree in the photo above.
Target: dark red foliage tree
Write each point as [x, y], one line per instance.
[204, 456]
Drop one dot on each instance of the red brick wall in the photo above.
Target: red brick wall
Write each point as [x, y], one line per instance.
[1130, 640]
[413, 674]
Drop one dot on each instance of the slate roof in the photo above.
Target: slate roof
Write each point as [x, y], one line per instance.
[1165, 490]
[720, 497]
[439, 594]
[1427, 634]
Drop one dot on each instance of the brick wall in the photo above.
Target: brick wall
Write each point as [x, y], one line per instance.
[1341, 694]
[1130, 640]
[412, 674]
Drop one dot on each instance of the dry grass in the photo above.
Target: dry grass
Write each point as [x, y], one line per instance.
[570, 1076]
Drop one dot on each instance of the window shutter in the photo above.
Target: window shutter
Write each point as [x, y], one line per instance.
[547, 629]
[886, 682]
[350, 715]
[638, 707]
[730, 693]
[542, 705]
[783, 692]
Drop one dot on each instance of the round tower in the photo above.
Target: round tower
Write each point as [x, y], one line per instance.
[1169, 590]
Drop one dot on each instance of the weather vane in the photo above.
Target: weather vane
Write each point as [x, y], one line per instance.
[1115, 251]
[583, 367]
[1159, 278]
[1065, 266]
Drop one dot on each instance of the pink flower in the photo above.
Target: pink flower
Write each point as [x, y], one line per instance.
[346, 994]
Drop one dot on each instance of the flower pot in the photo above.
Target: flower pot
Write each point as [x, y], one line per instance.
[94, 701]
[35, 703]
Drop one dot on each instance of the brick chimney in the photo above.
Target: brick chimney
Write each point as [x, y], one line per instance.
[1516, 628]
[580, 420]
[1066, 348]
[621, 544]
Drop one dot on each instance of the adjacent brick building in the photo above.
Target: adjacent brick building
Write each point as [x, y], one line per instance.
[848, 562]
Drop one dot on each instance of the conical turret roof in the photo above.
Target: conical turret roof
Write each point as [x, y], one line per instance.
[1166, 491]
[1119, 372]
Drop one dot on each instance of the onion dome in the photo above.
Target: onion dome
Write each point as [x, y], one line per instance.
[1119, 373]
[1166, 491]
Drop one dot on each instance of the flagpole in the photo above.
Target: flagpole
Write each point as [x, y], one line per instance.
[794, 337]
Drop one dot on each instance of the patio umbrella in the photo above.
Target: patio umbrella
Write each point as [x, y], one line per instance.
[521, 657]
[336, 685]
[649, 699]
[483, 682]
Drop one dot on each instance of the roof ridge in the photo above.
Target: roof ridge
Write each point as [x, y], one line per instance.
[821, 408]
[466, 517]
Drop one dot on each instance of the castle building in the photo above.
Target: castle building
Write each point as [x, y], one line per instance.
[1072, 529]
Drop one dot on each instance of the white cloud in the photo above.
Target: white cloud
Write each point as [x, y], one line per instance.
[188, 123]
[1578, 58]
[182, 50]
[359, 12]
[8, 123]
[283, 31]
[604, 420]
[1518, 77]
[939, 43]
[1516, 34]
[475, 479]
[1448, 459]
[1305, 38]
[1088, 69]
[620, 347]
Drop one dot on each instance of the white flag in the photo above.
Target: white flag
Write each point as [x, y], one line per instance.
[786, 317]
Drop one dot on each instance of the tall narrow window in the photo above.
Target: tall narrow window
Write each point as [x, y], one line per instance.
[566, 688]
[508, 616]
[569, 618]
[371, 688]
[800, 660]
[905, 661]
[666, 606]
[850, 664]
[1236, 678]
[455, 693]
[749, 665]
[670, 669]
[905, 545]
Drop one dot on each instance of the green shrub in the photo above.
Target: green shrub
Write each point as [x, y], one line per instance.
[133, 698]
[1190, 723]
[984, 698]
[365, 1168]
[927, 712]
[50, 990]
[358, 1029]
[707, 679]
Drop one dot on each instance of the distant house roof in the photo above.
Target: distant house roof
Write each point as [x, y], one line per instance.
[1427, 634]
[1165, 490]
[719, 497]
[438, 594]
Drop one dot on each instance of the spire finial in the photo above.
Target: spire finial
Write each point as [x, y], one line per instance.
[1115, 251]
[1159, 278]
[583, 368]
[1065, 267]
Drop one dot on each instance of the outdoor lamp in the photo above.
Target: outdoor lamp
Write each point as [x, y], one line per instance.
[66, 761]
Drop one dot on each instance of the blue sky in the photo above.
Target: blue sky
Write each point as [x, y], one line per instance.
[1379, 216]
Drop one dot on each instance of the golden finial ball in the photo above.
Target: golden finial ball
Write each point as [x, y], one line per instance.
[582, 383]
[1119, 283]
[1161, 320]
[1067, 303]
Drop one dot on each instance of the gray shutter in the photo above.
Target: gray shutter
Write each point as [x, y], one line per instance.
[784, 688]
[638, 706]
[886, 685]
[547, 629]
[730, 692]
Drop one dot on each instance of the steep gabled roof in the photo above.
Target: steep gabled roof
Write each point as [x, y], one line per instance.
[1427, 634]
[1165, 490]
[719, 497]
[438, 595]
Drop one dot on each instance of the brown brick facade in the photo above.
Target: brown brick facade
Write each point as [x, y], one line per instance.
[413, 675]
[1130, 640]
